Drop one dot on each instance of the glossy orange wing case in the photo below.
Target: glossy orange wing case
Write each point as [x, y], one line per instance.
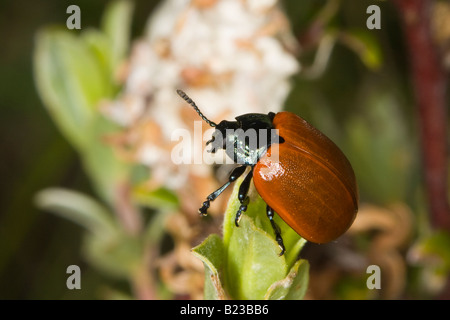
[308, 181]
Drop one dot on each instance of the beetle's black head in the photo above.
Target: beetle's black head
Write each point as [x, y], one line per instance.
[247, 139]
[244, 140]
[219, 138]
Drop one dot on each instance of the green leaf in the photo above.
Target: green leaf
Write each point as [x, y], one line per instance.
[246, 264]
[212, 255]
[116, 25]
[253, 263]
[69, 81]
[78, 208]
[294, 286]
[72, 75]
[100, 47]
[103, 166]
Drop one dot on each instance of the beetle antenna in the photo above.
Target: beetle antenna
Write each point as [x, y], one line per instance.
[192, 103]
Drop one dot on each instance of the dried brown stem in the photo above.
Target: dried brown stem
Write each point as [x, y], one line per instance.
[430, 82]
[127, 214]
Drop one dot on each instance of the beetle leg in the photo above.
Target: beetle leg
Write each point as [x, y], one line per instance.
[276, 229]
[243, 197]
[212, 150]
[242, 208]
[236, 173]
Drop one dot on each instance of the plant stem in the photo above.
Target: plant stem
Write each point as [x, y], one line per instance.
[128, 215]
[429, 79]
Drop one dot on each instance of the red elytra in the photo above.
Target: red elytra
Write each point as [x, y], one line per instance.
[312, 186]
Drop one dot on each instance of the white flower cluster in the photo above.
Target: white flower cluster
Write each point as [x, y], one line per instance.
[231, 56]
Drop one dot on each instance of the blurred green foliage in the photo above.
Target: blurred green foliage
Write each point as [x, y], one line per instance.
[73, 74]
[36, 248]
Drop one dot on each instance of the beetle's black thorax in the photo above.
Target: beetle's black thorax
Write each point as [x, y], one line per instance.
[247, 139]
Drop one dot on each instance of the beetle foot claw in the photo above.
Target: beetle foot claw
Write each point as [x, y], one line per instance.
[203, 210]
[280, 242]
[242, 209]
[283, 250]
